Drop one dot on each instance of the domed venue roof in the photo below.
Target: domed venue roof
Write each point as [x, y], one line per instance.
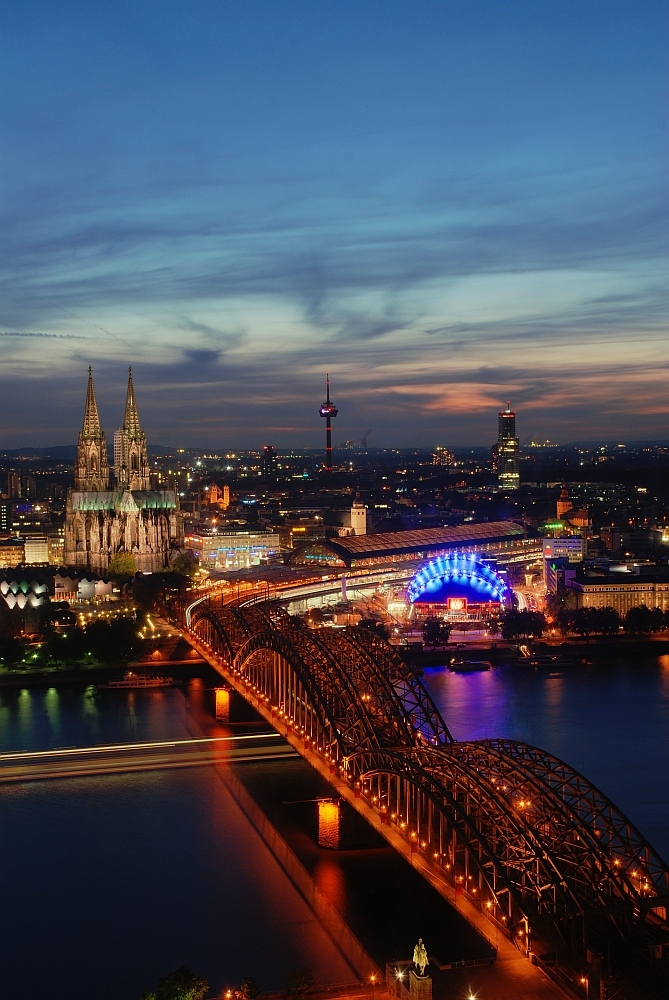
[456, 577]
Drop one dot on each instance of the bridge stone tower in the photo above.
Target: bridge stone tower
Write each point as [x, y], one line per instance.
[92, 468]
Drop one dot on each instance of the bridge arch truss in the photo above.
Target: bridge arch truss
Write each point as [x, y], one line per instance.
[522, 834]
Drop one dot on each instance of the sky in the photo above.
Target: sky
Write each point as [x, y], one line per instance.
[445, 204]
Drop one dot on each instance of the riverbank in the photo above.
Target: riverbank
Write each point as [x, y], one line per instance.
[47, 677]
[577, 651]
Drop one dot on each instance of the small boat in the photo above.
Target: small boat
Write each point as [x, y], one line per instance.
[459, 666]
[131, 680]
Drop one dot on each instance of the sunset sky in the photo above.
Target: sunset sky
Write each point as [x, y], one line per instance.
[447, 204]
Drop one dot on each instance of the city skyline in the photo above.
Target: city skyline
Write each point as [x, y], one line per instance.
[445, 206]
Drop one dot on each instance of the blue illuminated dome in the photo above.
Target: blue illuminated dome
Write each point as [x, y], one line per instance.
[455, 576]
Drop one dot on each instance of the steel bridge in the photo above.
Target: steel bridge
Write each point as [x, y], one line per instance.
[536, 847]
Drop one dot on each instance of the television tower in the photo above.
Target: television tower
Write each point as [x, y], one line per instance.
[328, 410]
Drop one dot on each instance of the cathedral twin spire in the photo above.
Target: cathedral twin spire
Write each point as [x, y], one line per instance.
[131, 462]
[92, 467]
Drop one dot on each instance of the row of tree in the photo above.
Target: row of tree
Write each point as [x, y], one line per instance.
[113, 641]
[584, 622]
[183, 984]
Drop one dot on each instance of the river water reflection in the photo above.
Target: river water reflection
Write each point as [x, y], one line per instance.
[609, 721]
[110, 882]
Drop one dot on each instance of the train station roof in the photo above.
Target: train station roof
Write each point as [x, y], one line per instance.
[357, 549]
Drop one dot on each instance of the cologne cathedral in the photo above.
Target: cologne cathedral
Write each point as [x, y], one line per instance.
[109, 512]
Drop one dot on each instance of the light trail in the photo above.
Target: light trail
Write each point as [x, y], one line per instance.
[135, 757]
[120, 747]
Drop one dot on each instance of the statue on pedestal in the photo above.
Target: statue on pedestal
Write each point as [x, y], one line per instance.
[420, 959]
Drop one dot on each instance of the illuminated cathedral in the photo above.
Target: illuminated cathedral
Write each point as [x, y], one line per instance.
[110, 512]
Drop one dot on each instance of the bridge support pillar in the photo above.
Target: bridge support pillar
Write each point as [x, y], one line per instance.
[329, 824]
[222, 704]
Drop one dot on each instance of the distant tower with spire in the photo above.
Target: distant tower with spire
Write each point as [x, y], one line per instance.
[92, 468]
[329, 411]
[131, 460]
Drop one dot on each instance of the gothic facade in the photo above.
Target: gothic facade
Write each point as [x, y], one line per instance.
[104, 517]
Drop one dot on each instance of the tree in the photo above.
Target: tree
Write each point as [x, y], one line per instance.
[584, 621]
[11, 650]
[564, 620]
[435, 631]
[185, 564]
[639, 620]
[121, 564]
[375, 626]
[517, 624]
[182, 984]
[114, 641]
[314, 617]
[299, 982]
[249, 989]
[609, 621]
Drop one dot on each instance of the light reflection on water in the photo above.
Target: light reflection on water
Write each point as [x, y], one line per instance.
[136, 874]
[115, 881]
[609, 721]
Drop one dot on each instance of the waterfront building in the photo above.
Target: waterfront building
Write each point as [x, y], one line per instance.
[459, 587]
[101, 521]
[506, 452]
[622, 590]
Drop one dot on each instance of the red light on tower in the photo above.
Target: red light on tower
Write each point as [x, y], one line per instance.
[328, 410]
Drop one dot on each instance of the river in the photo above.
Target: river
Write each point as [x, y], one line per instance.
[110, 882]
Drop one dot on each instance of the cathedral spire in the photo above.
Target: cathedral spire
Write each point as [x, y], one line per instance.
[131, 460]
[131, 416]
[91, 470]
[91, 428]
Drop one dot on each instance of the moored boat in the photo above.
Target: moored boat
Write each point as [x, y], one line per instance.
[459, 666]
[131, 680]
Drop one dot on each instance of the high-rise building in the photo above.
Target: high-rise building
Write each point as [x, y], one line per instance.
[13, 484]
[506, 451]
[268, 464]
[28, 487]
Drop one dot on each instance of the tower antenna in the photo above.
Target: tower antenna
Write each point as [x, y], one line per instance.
[329, 411]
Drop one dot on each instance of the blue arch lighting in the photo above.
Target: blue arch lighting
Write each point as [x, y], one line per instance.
[464, 571]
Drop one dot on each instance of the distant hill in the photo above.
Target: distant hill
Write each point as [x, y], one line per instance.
[61, 452]
[68, 452]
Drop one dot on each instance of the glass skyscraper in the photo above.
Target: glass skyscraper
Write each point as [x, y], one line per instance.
[506, 453]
